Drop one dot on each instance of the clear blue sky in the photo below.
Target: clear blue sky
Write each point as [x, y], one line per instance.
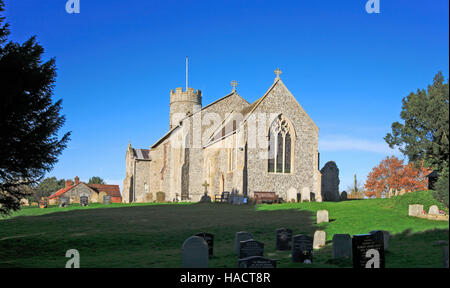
[117, 61]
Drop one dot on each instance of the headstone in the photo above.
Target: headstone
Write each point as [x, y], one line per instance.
[291, 195]
[322, 216]
[194, 253]
[434, 210]
[445, 256]
[344, 196]
[283, 239]
[320, 238]
[330, 182]
[205, 199]
[381, 235]
[249, 248]
[106, 200]
[84, 200]
[257, 262]
[306, 194]
[160, 197]
[63, 202]
[302, 249]
[209, 238]
[368, 252]
[342, 246]
[415, 210]
[240, 236]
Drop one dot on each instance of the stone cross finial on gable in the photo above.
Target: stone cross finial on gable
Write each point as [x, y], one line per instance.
[278, 73]
[234, 84]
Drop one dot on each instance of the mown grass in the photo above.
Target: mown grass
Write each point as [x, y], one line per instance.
[145, 235]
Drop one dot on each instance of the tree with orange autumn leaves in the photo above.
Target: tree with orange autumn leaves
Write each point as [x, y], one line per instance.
[392, 176]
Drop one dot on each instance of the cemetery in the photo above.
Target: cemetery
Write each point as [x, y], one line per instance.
[372, 233]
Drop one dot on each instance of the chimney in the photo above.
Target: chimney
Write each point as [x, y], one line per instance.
[77, 180]
[68, 183]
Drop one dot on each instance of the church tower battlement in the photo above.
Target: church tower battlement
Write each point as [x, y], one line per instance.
[183, 103]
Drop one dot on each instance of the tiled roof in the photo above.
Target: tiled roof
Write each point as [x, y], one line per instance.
[141, 154]
[111, 190]
[61, 191]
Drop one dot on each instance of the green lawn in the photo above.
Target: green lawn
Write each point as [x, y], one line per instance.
[151, 235]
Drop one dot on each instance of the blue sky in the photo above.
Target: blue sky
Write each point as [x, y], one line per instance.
[118, 60]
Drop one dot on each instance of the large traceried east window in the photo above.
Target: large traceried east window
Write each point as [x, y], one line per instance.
[280, 146]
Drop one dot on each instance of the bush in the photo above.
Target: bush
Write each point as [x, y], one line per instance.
[441, 193]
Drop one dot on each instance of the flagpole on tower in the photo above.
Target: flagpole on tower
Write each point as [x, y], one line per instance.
[187, 73]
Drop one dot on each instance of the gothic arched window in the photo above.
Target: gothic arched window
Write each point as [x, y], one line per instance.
[280, 146]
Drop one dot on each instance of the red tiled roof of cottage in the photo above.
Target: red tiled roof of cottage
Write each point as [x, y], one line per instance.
[111, 190]
[61, 191]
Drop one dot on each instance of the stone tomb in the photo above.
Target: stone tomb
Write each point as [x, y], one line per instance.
[241, 236]
[302, 249]
[342, 246]
[283, 239]
[320, 238]
[84, 200]
[415, 210]
[381, 235]
[257, 262]
[322, 216]
[106, 199]
[194, 253]
[209, 238]
[249, 248]
[368, 251]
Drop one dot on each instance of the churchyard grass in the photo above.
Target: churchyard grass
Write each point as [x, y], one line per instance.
[151, 235]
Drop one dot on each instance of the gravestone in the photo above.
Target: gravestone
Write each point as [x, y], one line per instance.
[342, 246]
[241, 236]
[306, 194]
[106, 200]
[249, 248]
[415, 210]
[322, 216]
[445, 256]
[209, 238]
[381, 235]
[320, 238]
[344, 196]
[283, 239]
[84, 200]
[434, 210]
[368, 252]
[205, 199]
[330, 182]
[160, 197]
[63, 202]
[194, 253]
[302, 249]
[257, 262]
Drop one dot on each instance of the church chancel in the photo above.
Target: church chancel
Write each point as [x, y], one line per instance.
[230, 145]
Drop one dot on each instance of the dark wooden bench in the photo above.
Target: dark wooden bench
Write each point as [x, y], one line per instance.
[261, 197]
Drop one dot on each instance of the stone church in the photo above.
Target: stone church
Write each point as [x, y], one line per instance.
[270, 145]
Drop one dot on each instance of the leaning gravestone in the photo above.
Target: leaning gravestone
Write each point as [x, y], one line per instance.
[209, 238]
[381, 235]
[368, 252]
[257, 262]
[241, 236]
[63, 201]
[434, 210]
[322, 216]
[415, 210]
[106, 200]
[342, 246]
[302, 249]
[249, 248]
[283, 239]
[319, 239]
[194, 253]
[84, 200]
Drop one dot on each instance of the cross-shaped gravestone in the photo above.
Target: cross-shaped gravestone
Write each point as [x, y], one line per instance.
[278, 73]
[234, 84]
[206, 186]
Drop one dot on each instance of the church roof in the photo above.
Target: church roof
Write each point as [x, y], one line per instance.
[141, 154]
[165, 136]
